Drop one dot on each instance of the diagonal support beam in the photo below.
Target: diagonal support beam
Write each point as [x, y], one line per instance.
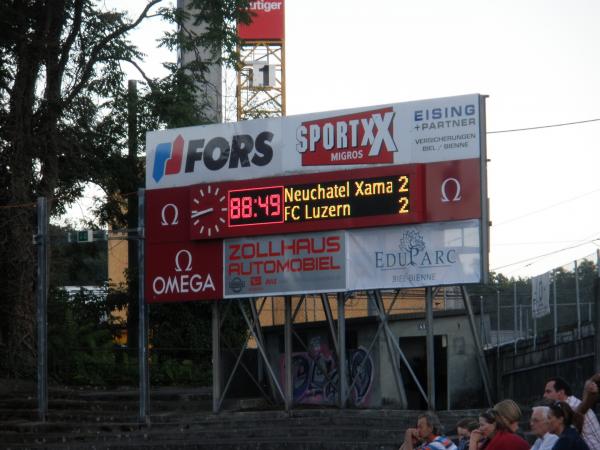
[485, 376]
[262, 352]
[396, 345]
[330, 321]
[379, 306]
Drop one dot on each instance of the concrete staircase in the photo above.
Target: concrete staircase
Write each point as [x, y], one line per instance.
[182, 418]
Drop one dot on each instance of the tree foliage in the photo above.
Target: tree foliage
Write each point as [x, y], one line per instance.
[61, 122]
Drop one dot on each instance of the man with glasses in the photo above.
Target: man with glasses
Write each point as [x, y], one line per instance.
[540, 427]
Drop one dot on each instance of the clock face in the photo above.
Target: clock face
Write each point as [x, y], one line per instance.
[208, 207]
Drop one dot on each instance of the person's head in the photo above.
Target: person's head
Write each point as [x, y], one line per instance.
[557, 389]
[488, 423]
[539, 420]
[509, 414]
[465, 426]
[560, 417]
[428, 426]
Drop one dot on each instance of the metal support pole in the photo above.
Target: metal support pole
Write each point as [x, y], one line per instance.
[216, 357]
[342, 349]
[262, 351]
[42, 307]
[498, 370]
[429, 343]
[142, 316]
[288, 353]
[555, 310]
[577, 299]
[261, 341]
[390, 348]
[485, 376]
[329, 316]
[534, 330]
[516, 320]
[481, 324]
[597, 315]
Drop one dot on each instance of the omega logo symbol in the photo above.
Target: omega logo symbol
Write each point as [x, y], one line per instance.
[457, 196]
[188, 268]
[163, 214]
[184, 281]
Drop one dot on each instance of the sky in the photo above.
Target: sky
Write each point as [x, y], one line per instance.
[537, 60]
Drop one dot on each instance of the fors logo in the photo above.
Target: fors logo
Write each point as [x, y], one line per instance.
[242, 151]
[167, 160]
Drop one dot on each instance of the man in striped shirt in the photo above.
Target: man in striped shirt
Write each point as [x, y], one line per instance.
[428, 434]
[558, 389]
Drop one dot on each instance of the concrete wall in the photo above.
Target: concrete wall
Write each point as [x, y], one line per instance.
[463, 379]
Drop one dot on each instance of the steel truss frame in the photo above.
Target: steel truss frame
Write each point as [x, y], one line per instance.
[337, 329]
[258, 102]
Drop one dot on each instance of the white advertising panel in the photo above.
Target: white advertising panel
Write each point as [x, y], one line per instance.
[540, 295]
[284, 264]
[402, 133]
[431, 254]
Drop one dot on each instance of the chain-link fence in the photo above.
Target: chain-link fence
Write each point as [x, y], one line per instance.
[508, 304]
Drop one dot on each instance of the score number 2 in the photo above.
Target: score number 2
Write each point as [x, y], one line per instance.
[403, 189]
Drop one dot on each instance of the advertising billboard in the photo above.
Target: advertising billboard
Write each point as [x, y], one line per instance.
[268, 21]
[422, 131]
[397, 192]
[285, 264]
[431, 254]
[183, 271]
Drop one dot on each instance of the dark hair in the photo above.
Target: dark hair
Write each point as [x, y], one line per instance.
[560, 385]
[433, 421]
[490, 415]
[467, 424]
[562, 409]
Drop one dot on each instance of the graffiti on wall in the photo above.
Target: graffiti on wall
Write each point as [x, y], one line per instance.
[315, 375]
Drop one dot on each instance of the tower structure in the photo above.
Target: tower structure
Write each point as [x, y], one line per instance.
[260, 88]
[209, 97]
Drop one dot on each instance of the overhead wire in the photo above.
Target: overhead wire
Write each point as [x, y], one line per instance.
[564, 124]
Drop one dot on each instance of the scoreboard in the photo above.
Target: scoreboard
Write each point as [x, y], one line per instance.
[357, 198]
[323, 201]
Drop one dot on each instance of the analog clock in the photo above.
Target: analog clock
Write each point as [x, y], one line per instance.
[208, 208]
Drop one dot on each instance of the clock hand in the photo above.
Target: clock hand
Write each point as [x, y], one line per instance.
[201, 213]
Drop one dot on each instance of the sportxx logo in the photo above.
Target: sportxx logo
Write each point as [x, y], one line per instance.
[360, 138]
[242, 150]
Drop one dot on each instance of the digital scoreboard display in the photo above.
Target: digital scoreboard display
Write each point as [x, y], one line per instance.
[320, 201]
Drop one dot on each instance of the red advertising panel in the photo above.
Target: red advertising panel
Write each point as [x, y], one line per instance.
[167, 215]
[268, 21]
[360, 138]
[314, 202]
[453, 190]
[183, 271]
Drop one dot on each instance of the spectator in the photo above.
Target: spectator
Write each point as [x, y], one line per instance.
[558, 389]
[560, 421]
[494, 434]
[540, 427]
[463, 429]
[428, 434]
[510, 414]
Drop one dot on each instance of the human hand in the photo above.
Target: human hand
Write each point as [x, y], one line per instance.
[411, 434]
[476, 436]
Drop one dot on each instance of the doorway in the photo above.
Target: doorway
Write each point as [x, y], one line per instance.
[415, 350]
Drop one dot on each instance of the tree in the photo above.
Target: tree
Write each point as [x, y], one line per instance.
[60, 80]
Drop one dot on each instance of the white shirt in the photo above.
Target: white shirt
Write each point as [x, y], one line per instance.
[545, 443]
[591, 427]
